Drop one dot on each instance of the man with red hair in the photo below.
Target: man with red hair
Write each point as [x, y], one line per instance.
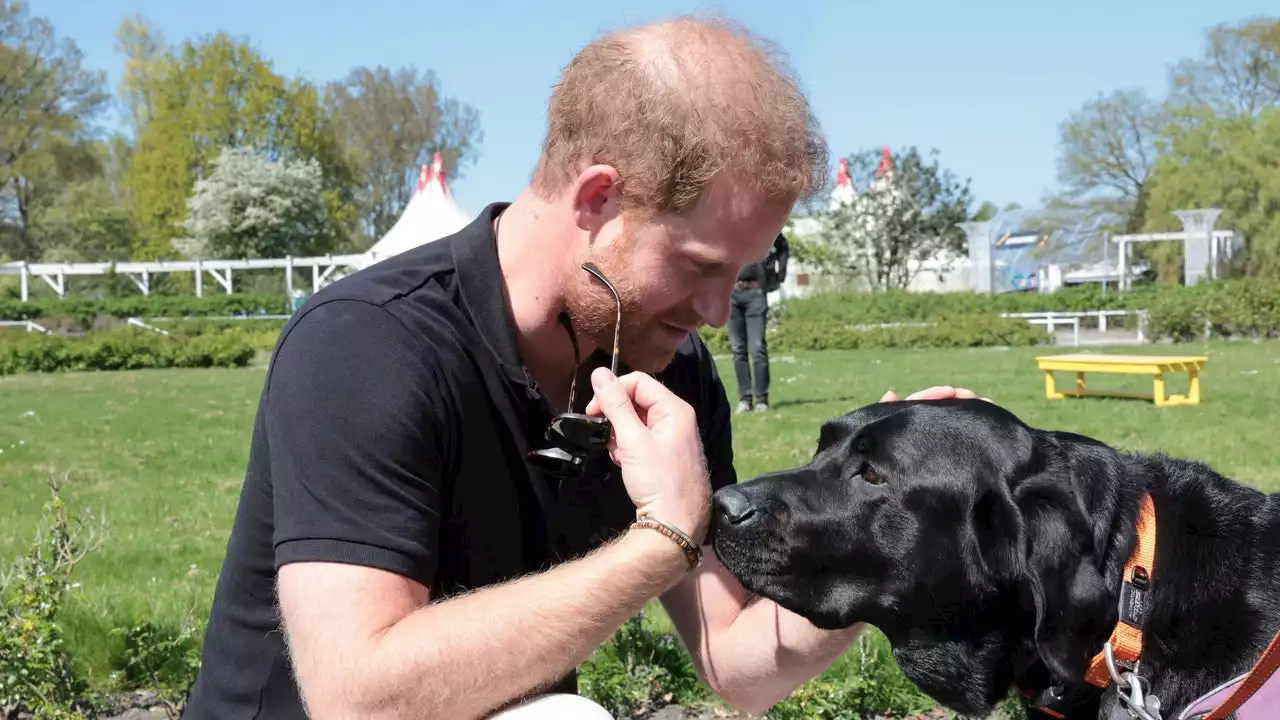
[418, 535]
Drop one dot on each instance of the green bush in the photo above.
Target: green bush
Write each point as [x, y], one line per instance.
[79, 313]
[903, 306]
[638, 669]
[793, 334]
[1233, 309]
[259, 334]
[864, 682]
[36, 671]
[124, 349]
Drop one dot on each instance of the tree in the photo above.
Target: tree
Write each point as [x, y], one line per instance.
[47, 103]
[986, 211]
[213, 93]
[391, 124]
[1108, 147]
[144, 49]
[907, 214]
[1239, 72]
[253, 206]
[1228, 162]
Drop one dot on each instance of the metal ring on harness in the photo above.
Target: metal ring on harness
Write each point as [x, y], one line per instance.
[1116, 676]
[1132, 695]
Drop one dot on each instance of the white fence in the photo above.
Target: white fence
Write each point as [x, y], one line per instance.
[55, 275]
[25, 324]
[1051, 320]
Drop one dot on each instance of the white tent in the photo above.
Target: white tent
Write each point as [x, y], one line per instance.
[431, 214]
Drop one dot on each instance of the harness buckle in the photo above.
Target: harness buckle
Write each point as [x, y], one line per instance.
[1131, 689]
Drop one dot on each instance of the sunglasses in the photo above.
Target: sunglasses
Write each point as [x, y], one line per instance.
[577, 437]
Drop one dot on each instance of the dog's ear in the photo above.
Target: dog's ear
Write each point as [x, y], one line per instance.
[1068, 510]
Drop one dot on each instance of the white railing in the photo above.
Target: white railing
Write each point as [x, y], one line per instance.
[27, 324]
[323, 269]
[1052, 319]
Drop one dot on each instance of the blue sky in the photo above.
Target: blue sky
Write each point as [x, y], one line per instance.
[986, 83]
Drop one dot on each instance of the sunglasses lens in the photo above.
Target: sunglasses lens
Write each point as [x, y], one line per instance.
[580, 431]
[555, 460]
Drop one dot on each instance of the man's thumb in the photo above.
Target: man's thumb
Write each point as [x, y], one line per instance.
[614, 401]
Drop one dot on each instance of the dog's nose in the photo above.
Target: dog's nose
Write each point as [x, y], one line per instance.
[733, 507]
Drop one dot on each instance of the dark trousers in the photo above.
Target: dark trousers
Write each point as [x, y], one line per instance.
[748, 314]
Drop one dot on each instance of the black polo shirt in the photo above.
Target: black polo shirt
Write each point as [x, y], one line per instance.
[392, 432]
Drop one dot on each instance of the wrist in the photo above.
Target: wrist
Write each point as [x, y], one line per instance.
[663, 559]
[690, 548]
[692, 523]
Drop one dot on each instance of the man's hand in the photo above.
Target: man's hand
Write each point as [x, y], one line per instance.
[937, 392]
[656, 443]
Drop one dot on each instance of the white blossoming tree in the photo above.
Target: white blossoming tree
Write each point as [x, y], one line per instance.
[899, 218]
[253, 206]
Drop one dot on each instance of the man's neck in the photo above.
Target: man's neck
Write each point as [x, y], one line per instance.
[528, 255]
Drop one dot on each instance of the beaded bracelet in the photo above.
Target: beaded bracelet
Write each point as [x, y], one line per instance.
[692, 553]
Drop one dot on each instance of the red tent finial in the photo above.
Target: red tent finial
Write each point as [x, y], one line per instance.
[842, 173]
[886, 161]
[437, 166]
[424, 177]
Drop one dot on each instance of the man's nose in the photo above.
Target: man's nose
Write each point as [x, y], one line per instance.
[713, 307]
[733, 507]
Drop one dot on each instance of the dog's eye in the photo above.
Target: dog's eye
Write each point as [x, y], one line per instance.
[870, 475]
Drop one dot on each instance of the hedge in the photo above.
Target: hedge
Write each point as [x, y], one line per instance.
[1236, 309]
[125, 349]
[961, 331]
[903, 306]
[83, 312]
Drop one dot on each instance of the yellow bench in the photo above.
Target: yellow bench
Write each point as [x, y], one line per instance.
[1153, 365]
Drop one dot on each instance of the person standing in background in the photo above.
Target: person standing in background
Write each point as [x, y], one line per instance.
[748, 317]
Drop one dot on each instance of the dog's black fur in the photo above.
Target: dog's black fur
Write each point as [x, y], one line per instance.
[984, 549]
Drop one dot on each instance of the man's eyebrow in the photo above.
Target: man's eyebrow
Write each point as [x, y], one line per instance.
[704, 258]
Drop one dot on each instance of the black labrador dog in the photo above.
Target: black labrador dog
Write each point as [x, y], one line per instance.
[992, 554]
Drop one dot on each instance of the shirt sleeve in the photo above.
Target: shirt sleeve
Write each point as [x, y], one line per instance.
[354, 420]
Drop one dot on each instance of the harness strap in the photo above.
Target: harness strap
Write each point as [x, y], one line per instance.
[1046, 703]
[1126, 638]
[1259, 675]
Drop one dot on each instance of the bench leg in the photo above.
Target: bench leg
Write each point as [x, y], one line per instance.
[1050, 387]
[1193, 392]
[1080, 381]
[1158, 387]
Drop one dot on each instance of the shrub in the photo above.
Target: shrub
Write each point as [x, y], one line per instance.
[1233, 309]
[161, 660]
[863, 683]
[79, 313]
[793, 334]
[36, 671]
[124, 349]
[640, 668]
[259, 334]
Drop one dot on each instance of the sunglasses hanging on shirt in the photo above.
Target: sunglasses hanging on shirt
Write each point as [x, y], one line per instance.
[578, 437]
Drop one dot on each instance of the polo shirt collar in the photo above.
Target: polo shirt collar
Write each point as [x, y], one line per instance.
[475, 258]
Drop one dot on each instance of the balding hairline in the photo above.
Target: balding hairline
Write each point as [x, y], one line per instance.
[687, 99]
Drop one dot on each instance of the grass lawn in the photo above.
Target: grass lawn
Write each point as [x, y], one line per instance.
[162, 453]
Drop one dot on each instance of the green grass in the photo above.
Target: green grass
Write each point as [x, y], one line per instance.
[162, 453]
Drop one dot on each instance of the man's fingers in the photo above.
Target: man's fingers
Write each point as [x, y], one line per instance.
[966, 393]
[889, 396]
[613, 401]
[937, 392]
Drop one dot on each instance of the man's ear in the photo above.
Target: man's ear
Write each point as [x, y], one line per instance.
[1062, 579]
[596, 197]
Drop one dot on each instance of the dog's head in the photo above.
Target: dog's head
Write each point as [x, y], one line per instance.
[974, 542]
